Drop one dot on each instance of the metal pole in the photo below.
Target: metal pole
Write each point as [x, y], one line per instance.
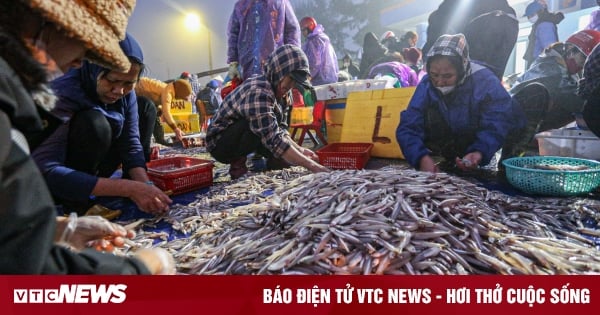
[210, 61]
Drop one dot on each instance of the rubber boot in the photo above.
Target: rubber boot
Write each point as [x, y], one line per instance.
[237, 167]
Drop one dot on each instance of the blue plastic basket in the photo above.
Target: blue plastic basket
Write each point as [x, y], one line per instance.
[522, 173]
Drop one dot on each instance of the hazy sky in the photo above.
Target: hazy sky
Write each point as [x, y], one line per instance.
[169, 48]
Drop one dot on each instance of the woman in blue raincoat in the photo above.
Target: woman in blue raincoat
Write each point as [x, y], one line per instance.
[102, 133]
[460, 110]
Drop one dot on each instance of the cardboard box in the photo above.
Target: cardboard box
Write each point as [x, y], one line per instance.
[181, 107]
[186, 122]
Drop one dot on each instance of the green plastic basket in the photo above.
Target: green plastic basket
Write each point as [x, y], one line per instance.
[521, 173]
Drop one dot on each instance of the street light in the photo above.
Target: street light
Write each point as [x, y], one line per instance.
[192, 22]
[210, 64]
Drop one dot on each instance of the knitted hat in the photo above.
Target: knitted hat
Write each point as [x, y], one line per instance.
[450, 45]
[100, 24]
[585, 40]
[183, 88]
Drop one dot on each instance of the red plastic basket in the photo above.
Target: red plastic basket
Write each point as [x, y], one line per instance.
[345, 155]
[180, 174]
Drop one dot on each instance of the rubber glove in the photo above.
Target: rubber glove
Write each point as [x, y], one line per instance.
[92, 231]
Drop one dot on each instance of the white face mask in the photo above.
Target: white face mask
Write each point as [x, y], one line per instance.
[533, 19]
[445, 90]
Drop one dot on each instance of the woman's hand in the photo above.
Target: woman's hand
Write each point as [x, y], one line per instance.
[179, 134]
[427, 164]
[149, 198]
[469, 162]
[310, 154]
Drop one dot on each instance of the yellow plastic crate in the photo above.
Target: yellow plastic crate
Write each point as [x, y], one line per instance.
[186, 122]
[301, 115]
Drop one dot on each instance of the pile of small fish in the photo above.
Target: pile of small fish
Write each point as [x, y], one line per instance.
[388, 221]
[560, 167]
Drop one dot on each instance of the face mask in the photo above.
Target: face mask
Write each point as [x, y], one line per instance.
[533, 19]
[346, 64]
[572, 66]
[445, 90]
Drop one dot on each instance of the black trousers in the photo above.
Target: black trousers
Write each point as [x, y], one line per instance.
[442, 142]
[91, 148]
[238, 141]
[440, 139]
[147, 118]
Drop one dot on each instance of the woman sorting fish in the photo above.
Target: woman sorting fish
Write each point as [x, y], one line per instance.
[253, 118]
[459, 111]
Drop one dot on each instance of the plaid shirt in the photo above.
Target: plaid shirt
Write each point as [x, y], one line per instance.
[254, 101]
[590, 82]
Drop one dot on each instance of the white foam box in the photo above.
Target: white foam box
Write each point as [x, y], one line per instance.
[569, 142]
[341, 90]
[332, 91]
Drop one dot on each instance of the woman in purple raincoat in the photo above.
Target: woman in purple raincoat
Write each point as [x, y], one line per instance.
[321, 55]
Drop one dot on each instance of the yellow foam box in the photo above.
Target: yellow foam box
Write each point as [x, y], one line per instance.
[334, 118]
[301, 115]
[186, 122]
[181, 107]
[373, 116]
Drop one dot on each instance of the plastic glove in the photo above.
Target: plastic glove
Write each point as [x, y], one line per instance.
[233, 70]
[93, 231]
[157, 260]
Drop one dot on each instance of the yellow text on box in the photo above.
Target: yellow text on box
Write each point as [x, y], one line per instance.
[180, 106]
[186, 122]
